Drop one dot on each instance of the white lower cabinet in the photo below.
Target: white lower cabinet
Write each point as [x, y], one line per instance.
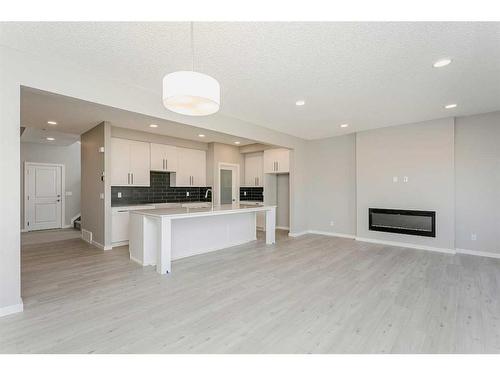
[120, 217]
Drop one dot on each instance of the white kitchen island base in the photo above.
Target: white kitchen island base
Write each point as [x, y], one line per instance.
[161, 235]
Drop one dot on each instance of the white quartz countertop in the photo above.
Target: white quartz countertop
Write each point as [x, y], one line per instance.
[205, 211]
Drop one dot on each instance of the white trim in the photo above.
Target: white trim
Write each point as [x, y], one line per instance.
[12, 309]
[24, 230]
[297, 234]
[478, 253]
[283, 228]
[119, 243]
[63, 191]
[101, 246]
[407, 245]
[67, 226]
[332, 234]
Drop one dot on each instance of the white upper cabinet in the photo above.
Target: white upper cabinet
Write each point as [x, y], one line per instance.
[254, 169]
[191, 169]
[277, 160]
[163, 158]
[130, 163]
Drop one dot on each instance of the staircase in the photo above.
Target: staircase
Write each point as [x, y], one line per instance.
[77, 224]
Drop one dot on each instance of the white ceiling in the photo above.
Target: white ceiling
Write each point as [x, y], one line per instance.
[366, 74]
[40, 135]
[75, 116]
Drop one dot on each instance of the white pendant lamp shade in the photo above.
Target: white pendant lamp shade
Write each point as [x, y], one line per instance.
[191, 93]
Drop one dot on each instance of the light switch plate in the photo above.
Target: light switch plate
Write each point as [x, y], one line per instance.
[395, 179]
[405, 179]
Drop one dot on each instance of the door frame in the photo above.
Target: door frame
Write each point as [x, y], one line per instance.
[26, 190]
[238, 183]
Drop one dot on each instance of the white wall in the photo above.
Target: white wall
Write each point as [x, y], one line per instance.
[283, 200]
[477, 161]
[331, 187]
[53, 75]
[67, 155]
[425, 153]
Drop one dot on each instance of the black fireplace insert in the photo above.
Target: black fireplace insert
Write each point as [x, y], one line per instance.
[417, 223]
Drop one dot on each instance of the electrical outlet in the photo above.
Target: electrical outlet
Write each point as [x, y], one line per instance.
[473, 237]
[405, 179]
[245, 193]
[119, 194]
[332, 223]
[187, 193]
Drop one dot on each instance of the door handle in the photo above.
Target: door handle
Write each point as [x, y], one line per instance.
[58, 200]
[132, 178]
[166, 163]
[163, 163]
[128, 178]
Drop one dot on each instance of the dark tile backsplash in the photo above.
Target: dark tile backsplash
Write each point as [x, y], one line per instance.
[160, 191]
[252, 194]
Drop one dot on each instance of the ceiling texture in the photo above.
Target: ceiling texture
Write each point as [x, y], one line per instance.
[368, 75]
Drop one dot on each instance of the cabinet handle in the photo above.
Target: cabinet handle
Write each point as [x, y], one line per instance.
[166, 163]
[277, 166]
[128, 178]
[163, 163]
[132, 178]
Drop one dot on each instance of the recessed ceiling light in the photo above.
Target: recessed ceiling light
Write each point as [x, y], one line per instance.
[153, 126]
[450, 106]
[201, 135]
[237, 142]
[51, 122]
[344, 125]
[441, 63]
[300, 102]
[50, 139]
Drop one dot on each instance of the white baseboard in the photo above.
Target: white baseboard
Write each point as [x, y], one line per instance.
[24, 230]
[283, 228]
[101, 246]
[297, 234]
[120, 243]
[478, 253]
[67, 226]
[332, 234]
[407, 245]
[12, 309]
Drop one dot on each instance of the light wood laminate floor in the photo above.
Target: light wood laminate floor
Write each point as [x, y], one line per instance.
[311, 294]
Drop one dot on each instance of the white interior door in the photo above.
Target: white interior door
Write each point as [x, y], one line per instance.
[44, 196]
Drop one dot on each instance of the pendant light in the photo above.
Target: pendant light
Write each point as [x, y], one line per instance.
[189, 92]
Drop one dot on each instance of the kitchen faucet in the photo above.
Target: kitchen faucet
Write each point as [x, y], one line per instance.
[211, 197]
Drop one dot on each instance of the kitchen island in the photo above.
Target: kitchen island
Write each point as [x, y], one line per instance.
[158, 236]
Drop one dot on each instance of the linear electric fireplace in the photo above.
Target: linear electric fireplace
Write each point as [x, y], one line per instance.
[418, 223]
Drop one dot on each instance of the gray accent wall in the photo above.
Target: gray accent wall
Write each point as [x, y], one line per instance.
[331, 185]
[477, 163]
[424, 152]
[67, 155]
[93, 164]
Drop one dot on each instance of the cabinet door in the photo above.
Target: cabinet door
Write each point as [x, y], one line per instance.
[270, 160]
[283, 160]
[120, 162]
[157, 157]
[139, 163]
[199, 168]
[184, 167]
[171, 158]
[253, 169]
[191, 169]
[119, 226]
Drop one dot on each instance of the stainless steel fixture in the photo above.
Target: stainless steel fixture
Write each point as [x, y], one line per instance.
[211, 197]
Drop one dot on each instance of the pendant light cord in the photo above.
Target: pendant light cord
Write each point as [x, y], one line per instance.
[192, 46]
